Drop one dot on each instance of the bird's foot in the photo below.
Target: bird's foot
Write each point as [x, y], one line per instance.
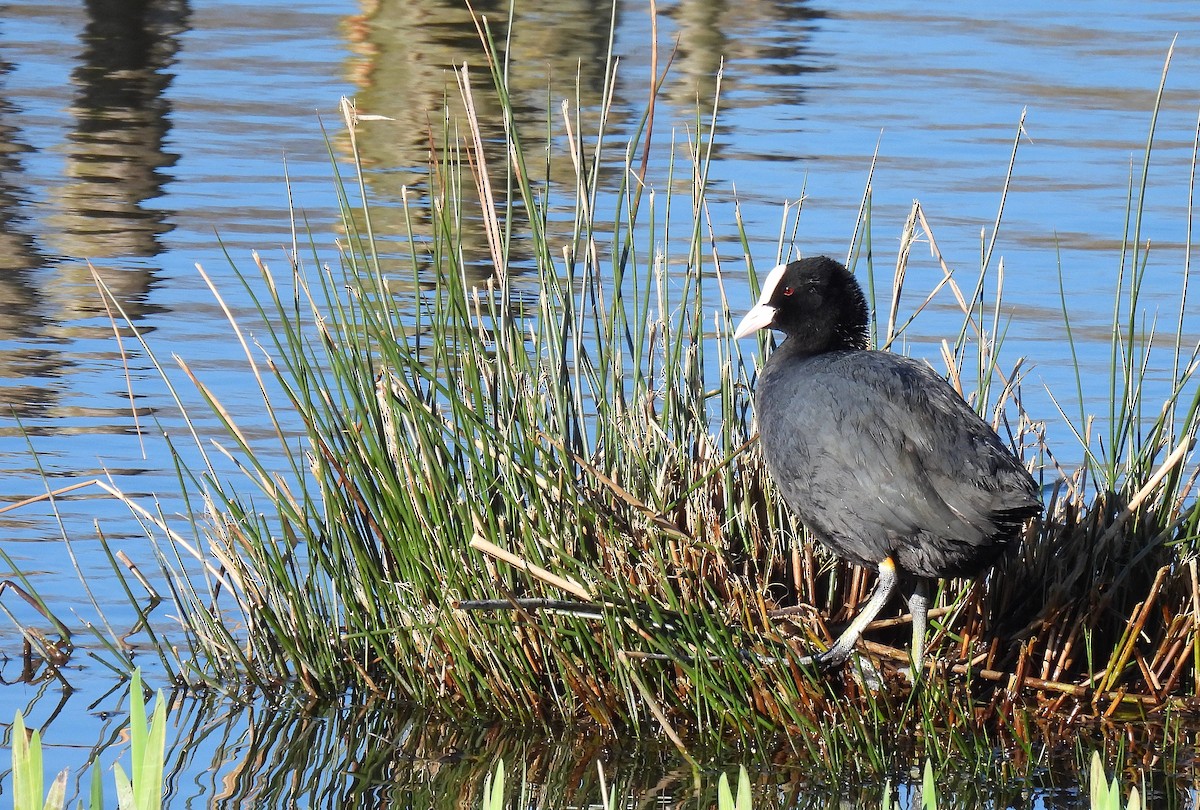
[837, 655]
[832, 659]
[865, 669]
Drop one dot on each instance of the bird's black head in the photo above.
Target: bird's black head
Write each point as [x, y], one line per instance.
[814, 301]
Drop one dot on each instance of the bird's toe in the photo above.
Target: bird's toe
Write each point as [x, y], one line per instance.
[832, 659]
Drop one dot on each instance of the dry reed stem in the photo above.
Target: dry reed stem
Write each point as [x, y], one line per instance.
[1017, 680]
[49, 495]
[479, 543]
[483, 181]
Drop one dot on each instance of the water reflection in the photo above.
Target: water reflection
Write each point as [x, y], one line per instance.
[555, 53]
[766, 39]
[116, 151]
[114, 154]
[19, 257]
[408, 52]
[374, 753]
[18, 252]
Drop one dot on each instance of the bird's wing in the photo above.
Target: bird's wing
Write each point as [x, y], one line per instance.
[902, 453]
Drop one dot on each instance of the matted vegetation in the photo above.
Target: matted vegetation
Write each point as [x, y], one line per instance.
[537, 498]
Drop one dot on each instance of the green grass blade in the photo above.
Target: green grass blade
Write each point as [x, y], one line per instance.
[27, 766]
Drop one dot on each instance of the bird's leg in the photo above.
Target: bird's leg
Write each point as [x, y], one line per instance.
[918, 606]
[837, 654]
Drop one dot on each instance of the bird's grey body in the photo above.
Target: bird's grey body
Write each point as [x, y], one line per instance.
[879, 457]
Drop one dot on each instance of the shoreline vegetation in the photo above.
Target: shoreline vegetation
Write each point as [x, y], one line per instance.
[536, 497]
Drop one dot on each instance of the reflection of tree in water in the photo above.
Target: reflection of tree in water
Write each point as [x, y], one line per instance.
[406, 51]
[113, 157]
[408, 48]
[116, 150]
[711, 31]
[18, 253]
[20, 362]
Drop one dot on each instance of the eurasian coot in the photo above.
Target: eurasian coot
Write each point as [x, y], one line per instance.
[879, 457]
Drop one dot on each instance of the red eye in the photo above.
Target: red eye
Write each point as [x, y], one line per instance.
[787, 291]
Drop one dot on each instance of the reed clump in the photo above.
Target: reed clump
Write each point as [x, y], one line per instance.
[531, 492]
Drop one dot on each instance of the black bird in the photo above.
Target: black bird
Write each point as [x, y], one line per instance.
[880, 458]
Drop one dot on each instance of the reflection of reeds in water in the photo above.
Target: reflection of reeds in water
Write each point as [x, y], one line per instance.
[547, 508]
[370, 752]
[367, 752]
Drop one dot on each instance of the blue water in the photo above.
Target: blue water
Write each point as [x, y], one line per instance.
[134, 153]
